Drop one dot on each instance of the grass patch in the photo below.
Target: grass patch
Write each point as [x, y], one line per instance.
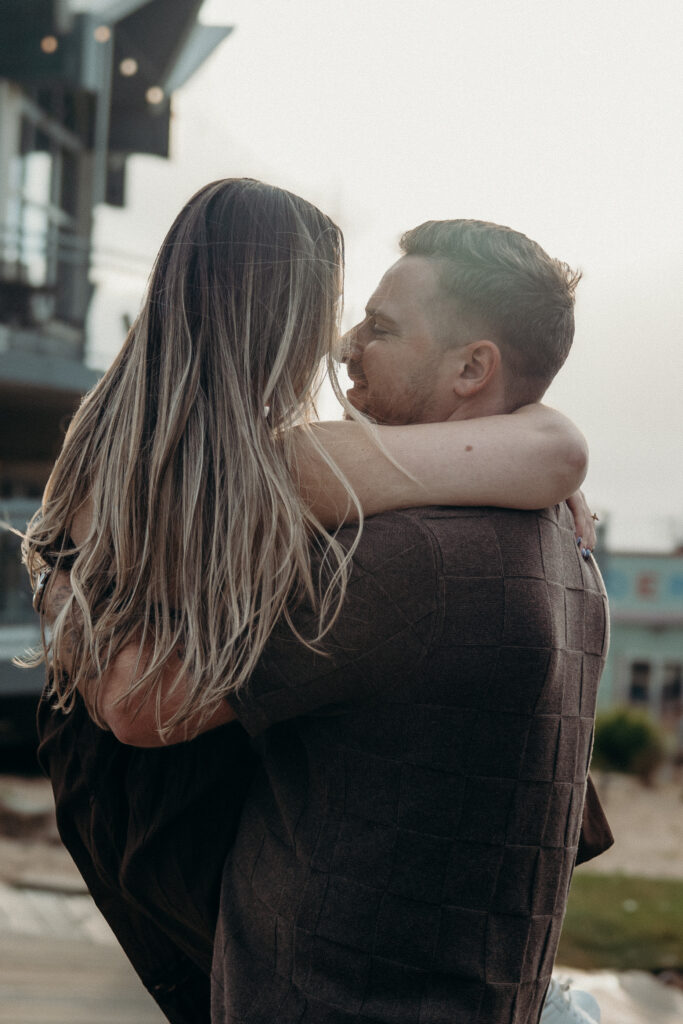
[621, 922]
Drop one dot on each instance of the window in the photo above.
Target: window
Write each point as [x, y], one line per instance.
[16, 599]
[43, 258]
[15, 593]
[639, 682]
[672, 689]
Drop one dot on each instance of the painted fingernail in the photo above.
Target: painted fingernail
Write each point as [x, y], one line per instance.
[586, 552]
[578, 540]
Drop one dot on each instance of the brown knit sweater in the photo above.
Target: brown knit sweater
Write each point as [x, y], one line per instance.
[405, 852]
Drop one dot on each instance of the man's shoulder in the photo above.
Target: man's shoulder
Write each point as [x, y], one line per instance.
[390, 539]
[486, 541]
[456, 513]
[430, 525]
[473, 541]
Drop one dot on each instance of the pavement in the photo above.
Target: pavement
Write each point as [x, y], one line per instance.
[630, 997]
[60, 964]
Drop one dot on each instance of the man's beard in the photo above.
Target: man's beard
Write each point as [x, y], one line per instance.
[416, 404]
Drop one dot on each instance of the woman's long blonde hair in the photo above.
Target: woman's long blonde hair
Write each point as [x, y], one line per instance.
[184, 456]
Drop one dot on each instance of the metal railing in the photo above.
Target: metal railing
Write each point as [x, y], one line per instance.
[33, 256]
[15, 593]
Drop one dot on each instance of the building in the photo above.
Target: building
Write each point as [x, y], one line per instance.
[645, 664]
[82, 87]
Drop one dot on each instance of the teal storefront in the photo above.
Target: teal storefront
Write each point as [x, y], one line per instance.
[645, 664]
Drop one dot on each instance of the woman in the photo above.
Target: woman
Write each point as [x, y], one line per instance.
[191, 506]
[192, 426]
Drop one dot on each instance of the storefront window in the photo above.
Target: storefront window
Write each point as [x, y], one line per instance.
[672, 689]
[39, 243]
[15, 593]
[639, 684]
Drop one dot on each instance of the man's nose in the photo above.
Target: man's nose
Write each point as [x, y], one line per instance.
[351, 347]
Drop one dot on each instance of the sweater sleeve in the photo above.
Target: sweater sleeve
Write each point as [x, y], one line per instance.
[382, 632]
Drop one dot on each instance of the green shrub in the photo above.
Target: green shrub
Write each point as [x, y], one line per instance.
[627, 740]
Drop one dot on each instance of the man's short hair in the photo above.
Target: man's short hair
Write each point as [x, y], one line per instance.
[505, 288]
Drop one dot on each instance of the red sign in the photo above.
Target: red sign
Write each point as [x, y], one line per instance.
[646, 584]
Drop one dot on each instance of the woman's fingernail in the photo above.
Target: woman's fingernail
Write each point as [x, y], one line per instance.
[586, 552]
[578, 541]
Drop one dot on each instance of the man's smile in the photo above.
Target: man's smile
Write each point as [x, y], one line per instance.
[359, 381]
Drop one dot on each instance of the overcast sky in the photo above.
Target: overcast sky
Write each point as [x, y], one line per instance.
[562, 120]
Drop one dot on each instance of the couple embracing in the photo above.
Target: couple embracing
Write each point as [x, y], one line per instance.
[321, 695]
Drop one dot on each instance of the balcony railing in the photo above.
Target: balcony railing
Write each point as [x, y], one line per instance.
[15, 593]
[44, 272]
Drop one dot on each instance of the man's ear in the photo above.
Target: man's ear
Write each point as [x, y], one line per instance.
[478, 365]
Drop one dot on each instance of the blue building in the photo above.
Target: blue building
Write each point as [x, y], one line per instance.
[645, 664]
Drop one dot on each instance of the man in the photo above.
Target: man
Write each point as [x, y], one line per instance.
[399, 360]
[406, 850]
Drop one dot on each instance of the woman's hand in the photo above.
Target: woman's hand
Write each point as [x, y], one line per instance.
[135, 719]
[584, 523]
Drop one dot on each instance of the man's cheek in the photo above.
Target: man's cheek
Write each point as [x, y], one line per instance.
[361, 404]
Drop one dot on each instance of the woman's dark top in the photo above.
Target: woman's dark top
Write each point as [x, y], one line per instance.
[149, 831]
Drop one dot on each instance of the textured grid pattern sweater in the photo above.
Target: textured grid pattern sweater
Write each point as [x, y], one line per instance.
[405, 852]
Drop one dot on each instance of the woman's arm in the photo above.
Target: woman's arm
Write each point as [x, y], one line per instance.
[529, 459]
[134, 720]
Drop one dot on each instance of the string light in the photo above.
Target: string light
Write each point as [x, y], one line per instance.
[102, 34]
[154, 94]
[128, 67]
[49, 44]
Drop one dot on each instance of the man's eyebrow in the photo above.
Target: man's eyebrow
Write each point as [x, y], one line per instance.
[373, 311]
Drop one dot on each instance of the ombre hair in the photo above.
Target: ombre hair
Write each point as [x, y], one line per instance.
[184, 457]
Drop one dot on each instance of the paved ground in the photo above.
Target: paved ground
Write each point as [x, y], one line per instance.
[634, 997]
[60, 964]
[69, 982]
[647, 823]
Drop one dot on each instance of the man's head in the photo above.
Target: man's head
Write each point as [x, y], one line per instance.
[474, 318]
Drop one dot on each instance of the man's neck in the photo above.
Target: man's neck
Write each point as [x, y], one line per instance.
[490, 404]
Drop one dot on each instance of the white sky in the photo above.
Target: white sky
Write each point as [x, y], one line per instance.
[560, 119]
